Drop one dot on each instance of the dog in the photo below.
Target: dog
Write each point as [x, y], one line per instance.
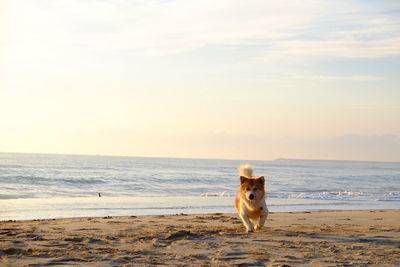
[250, 199]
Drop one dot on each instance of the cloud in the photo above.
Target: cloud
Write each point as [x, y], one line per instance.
[254, 41]
[337, 48]
[181, 26]
[366, 147]
[170, 27]
[325, 77]
[374, 107]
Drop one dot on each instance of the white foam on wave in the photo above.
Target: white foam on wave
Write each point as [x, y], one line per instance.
[221, 194]
[334, 195]
[339, 195]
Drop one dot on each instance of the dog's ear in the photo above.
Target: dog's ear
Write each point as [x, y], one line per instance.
[243, 179]
[261, 179]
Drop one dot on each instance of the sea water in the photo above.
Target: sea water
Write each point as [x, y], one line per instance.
[44, 186]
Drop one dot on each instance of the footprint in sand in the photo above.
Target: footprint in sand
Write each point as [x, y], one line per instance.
[180, 235]
[97, 241]
[12, 251]
[74, 239]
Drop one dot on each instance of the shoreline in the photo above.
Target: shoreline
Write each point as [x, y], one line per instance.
[90, 207]
[195, 214]
[333, 238]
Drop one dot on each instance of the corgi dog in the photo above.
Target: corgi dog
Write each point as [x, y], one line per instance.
[250, 199]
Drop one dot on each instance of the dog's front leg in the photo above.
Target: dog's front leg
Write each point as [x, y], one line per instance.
[262, 220]
[247, 223]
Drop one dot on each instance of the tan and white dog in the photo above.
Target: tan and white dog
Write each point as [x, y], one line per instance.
[250, 199]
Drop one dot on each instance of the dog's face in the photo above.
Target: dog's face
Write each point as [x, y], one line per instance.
[252, 188]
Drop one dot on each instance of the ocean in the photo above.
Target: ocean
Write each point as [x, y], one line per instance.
[45, 186]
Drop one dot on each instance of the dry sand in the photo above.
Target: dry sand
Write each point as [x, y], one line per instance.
[345, 238]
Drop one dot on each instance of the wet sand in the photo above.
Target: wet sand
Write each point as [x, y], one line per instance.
[344, 238]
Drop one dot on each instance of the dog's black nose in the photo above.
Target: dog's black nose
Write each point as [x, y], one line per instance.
[251, 196]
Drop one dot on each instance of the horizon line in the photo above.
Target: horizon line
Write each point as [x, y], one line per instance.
[204, 158]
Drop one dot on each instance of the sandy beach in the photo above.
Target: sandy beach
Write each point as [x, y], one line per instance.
[344, 238]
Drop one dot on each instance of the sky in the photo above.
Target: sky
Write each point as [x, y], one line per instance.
[230, 79]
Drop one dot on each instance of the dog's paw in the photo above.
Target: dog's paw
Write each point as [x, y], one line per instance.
[258, 227]
[249, 230]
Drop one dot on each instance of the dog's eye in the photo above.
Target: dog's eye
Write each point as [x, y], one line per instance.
[248, 188]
